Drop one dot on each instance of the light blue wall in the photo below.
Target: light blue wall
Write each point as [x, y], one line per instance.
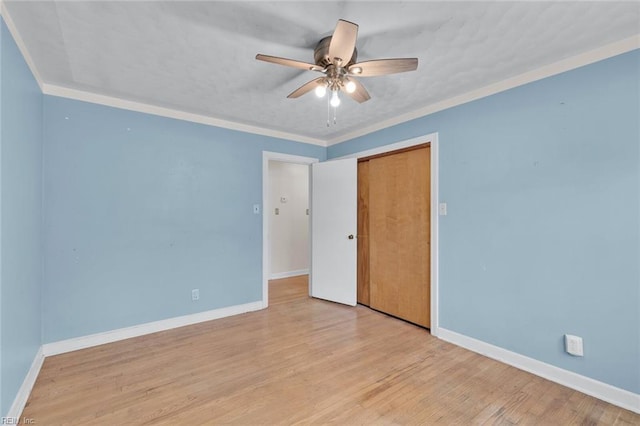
[141, 209]
[542, 234]
[21, 218]
[2, 409]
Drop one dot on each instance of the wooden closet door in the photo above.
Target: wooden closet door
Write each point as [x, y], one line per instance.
[363, 233]
[399, 235]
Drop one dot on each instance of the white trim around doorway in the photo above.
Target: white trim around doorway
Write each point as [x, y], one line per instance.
[431, 138]
[266, 246]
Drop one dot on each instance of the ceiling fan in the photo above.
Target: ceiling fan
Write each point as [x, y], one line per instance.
[335, 56]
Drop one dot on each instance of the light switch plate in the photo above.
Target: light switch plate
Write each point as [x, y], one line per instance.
[256, 209]
[442, 208]
[573, 345]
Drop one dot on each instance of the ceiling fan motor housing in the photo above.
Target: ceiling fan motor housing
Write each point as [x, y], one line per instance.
[321, 54]
[336, 57]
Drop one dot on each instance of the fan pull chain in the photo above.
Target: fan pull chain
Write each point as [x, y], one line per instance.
[335, 113]
[328, 112]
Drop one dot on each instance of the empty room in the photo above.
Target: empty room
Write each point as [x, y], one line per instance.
[319, 212]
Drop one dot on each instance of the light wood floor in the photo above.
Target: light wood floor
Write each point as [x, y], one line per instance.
[300, 361]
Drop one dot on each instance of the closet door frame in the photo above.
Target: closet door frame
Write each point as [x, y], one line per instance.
[432, 139]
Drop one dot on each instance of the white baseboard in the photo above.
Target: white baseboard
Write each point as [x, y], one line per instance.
[83, 342]
[278, 275]
[25, 390]
[620, 397]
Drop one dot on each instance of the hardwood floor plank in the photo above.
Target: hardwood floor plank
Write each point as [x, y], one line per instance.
[301, 361]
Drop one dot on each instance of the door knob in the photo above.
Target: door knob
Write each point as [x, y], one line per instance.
[350, 236]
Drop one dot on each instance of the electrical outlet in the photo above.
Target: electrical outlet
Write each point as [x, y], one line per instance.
[195, 294]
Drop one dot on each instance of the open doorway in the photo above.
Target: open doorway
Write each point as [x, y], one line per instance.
[288, 219]
[286, 227]
[289, 239]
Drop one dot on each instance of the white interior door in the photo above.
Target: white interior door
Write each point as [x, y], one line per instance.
[334, 210]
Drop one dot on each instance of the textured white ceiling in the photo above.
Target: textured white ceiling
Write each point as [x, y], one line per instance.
[198, 56]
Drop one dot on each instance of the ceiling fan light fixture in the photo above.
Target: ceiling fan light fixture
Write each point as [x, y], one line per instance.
[335, 100]
[350, 87]
[336, 56]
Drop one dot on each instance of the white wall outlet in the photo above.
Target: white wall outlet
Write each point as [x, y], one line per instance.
[573, 345]
[195, 294]
[442, 208]
[256, 209]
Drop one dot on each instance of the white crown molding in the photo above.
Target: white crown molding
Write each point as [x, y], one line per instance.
[63, 346]
[599, 54]
[65, 92]
[27, 385]
[21, 46]
[614, 395]
[80, 95]
[595, 55]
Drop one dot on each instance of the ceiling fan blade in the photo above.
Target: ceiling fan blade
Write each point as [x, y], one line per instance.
[383, 67]
[306, 88]
[343, 42]
[359, 95]
[288, 62]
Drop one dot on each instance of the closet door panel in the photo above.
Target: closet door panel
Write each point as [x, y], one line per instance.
[399, 231]
[363, 233]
